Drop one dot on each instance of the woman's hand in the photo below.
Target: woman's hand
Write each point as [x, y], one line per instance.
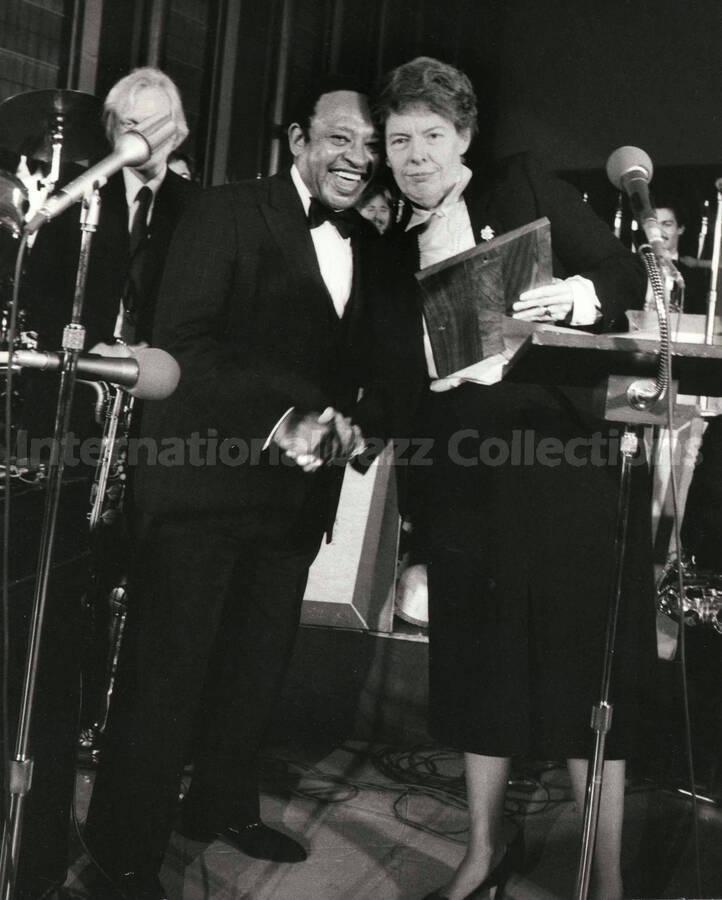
[552, 303]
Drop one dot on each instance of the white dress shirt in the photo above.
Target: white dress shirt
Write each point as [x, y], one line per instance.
[333, 252]
[335, 260]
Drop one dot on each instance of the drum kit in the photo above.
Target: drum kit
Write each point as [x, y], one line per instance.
[45, 136]
[43, 132]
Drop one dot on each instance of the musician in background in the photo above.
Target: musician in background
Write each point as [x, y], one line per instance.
[180, 164]
[702, 547]
[377, 206]
[673, 224]
[702, 526]
[139, 208]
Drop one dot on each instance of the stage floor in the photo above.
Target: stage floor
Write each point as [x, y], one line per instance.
[384, 823]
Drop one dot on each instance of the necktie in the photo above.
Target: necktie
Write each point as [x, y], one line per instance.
[139, 228]
[132, 295]
[345, 221]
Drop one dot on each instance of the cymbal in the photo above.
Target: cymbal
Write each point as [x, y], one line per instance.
[28, 121]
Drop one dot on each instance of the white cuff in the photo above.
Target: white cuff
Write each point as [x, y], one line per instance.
[276, 426]
[428, 353]
[586, 308]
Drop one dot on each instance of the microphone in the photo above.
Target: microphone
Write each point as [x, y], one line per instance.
[132, 148]
[630, 169]
[149, 374]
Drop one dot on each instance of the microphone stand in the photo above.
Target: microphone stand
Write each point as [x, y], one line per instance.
[703, 227]
[21, 765]
[641, 396]
[714, 275]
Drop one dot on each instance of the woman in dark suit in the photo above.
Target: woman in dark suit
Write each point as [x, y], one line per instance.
[519, 541]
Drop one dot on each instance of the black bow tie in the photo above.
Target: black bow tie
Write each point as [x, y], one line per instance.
[345, 221]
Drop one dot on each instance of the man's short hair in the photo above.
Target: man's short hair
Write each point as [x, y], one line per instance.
[430, 83]
[303, 107]
[376, 189]
[124, 90]
[673, 202]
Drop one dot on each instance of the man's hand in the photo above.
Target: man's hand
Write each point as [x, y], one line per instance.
[312, 439]
[552, 303]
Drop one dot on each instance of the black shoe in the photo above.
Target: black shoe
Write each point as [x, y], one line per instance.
[499, 875]
[262, 842]
[134, 886]
[256, 839]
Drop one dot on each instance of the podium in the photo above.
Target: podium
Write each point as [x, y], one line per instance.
[609, 364]
[351, 583]
[576, 359]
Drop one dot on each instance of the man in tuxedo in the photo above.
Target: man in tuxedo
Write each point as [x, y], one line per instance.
[139, 208]
[271, 305]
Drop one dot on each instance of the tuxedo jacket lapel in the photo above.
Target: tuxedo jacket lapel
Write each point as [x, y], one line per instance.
[114, 216]
[285, 218]
[354, 306]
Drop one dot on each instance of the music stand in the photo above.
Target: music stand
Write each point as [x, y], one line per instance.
[610, 362]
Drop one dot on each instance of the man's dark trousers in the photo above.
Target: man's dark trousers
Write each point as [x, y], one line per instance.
[203, 669]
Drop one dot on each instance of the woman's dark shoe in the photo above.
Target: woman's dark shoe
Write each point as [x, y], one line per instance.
[499, 875]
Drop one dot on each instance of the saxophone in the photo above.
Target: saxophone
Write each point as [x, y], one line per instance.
[105, 602]
[113, 410]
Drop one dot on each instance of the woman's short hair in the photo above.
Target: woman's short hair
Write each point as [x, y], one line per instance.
[428, 82]
[123, 91]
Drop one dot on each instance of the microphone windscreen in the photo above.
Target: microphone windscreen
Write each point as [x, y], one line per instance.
[131, 148]
[626, 159]
[158, 374]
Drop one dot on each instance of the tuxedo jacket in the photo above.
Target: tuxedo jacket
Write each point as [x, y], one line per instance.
[53, 263]
[245, 311]
[696, 288]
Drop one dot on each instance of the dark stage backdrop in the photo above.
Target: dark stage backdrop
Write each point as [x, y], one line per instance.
[569, 79]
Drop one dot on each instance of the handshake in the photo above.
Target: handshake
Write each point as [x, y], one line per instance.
[312, 440]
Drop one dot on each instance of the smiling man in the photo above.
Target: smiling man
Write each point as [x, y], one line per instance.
[268, 308]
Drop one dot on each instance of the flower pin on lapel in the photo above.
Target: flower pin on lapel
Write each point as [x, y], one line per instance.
[486, 233]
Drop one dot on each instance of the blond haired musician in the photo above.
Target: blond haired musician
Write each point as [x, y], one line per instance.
[138, 213]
